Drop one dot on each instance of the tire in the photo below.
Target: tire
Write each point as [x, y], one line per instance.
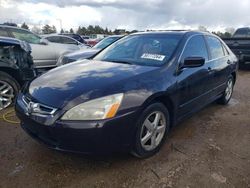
[144, 146]
[9, 88]
[227, 94]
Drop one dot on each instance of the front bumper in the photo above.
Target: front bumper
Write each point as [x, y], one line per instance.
[98, 137]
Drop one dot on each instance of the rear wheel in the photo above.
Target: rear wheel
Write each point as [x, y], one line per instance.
[153, 126]
[8, 90]
[227, 95]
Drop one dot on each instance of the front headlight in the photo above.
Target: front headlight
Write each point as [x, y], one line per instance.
[97, 109]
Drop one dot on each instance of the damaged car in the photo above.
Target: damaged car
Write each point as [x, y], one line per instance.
[16, 68]
[45, 54]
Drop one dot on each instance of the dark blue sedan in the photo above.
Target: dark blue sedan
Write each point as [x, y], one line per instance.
[128, 96]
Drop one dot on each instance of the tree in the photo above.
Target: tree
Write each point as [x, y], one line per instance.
[202, 28]
[117, 31]
[230, 30]
[223, 35]
[84, 31]
[98, 30]
[106, 31]
[47, 29]
[62, 31]
[227, 35]
[54, 29]
[134, 31]
[71, 30]
[90, 30]
[93, 30]
[36, 30]
[24, 26]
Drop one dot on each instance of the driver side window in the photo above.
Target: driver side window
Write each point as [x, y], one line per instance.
[195, 47]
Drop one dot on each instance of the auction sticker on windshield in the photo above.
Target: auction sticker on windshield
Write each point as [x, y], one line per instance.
[156, 57]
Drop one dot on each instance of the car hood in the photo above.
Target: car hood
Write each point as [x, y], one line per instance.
[83, 53]
[82, 79]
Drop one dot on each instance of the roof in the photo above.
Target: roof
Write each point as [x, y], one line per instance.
[162, 32]
[7, 26]
[176, 32]
[114, 36]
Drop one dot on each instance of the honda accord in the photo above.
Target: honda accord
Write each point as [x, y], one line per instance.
[129, 95]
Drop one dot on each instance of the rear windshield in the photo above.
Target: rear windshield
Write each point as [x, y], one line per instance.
[142, 49]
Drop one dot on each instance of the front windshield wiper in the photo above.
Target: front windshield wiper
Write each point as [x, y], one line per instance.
[120, 61]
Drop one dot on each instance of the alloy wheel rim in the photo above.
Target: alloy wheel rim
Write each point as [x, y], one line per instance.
[6, 94]
[153, 130]
[229, 89]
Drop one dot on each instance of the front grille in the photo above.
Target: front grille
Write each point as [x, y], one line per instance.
[37, 108]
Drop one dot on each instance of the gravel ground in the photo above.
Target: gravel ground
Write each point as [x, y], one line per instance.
[211, 149]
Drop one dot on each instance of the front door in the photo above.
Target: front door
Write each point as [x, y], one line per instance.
[194, 84]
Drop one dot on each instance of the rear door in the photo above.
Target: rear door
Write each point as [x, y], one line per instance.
[219, 61]
[194, 84]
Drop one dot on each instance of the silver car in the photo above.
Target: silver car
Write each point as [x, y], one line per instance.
[45, 54]
[62, 39]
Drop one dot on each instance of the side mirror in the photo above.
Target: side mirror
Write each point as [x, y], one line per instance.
[44, 41]
[192, 62]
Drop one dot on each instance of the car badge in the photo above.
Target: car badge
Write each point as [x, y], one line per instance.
[32, 107]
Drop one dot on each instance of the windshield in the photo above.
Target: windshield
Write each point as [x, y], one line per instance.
[141, 49]
[105, 42]
[25, 36]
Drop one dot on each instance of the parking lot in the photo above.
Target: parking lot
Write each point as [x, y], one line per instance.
[211, 149]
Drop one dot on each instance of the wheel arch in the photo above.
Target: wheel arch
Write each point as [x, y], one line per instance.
[12, 73]
[166, 101]
[234, 76]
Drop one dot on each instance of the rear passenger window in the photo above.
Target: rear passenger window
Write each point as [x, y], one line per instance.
[54, 39]
[66, 40]
[215, 47]
[195, 47]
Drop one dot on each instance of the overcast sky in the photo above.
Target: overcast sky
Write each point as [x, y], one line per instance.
[129, 14]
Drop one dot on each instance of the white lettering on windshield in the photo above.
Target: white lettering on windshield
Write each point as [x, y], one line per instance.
[156, 57]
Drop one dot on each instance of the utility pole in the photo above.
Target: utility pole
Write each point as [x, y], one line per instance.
[60, 21]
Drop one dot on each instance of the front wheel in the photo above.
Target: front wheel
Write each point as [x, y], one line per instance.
[8, 90]
[153, 126]
[227, 94]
